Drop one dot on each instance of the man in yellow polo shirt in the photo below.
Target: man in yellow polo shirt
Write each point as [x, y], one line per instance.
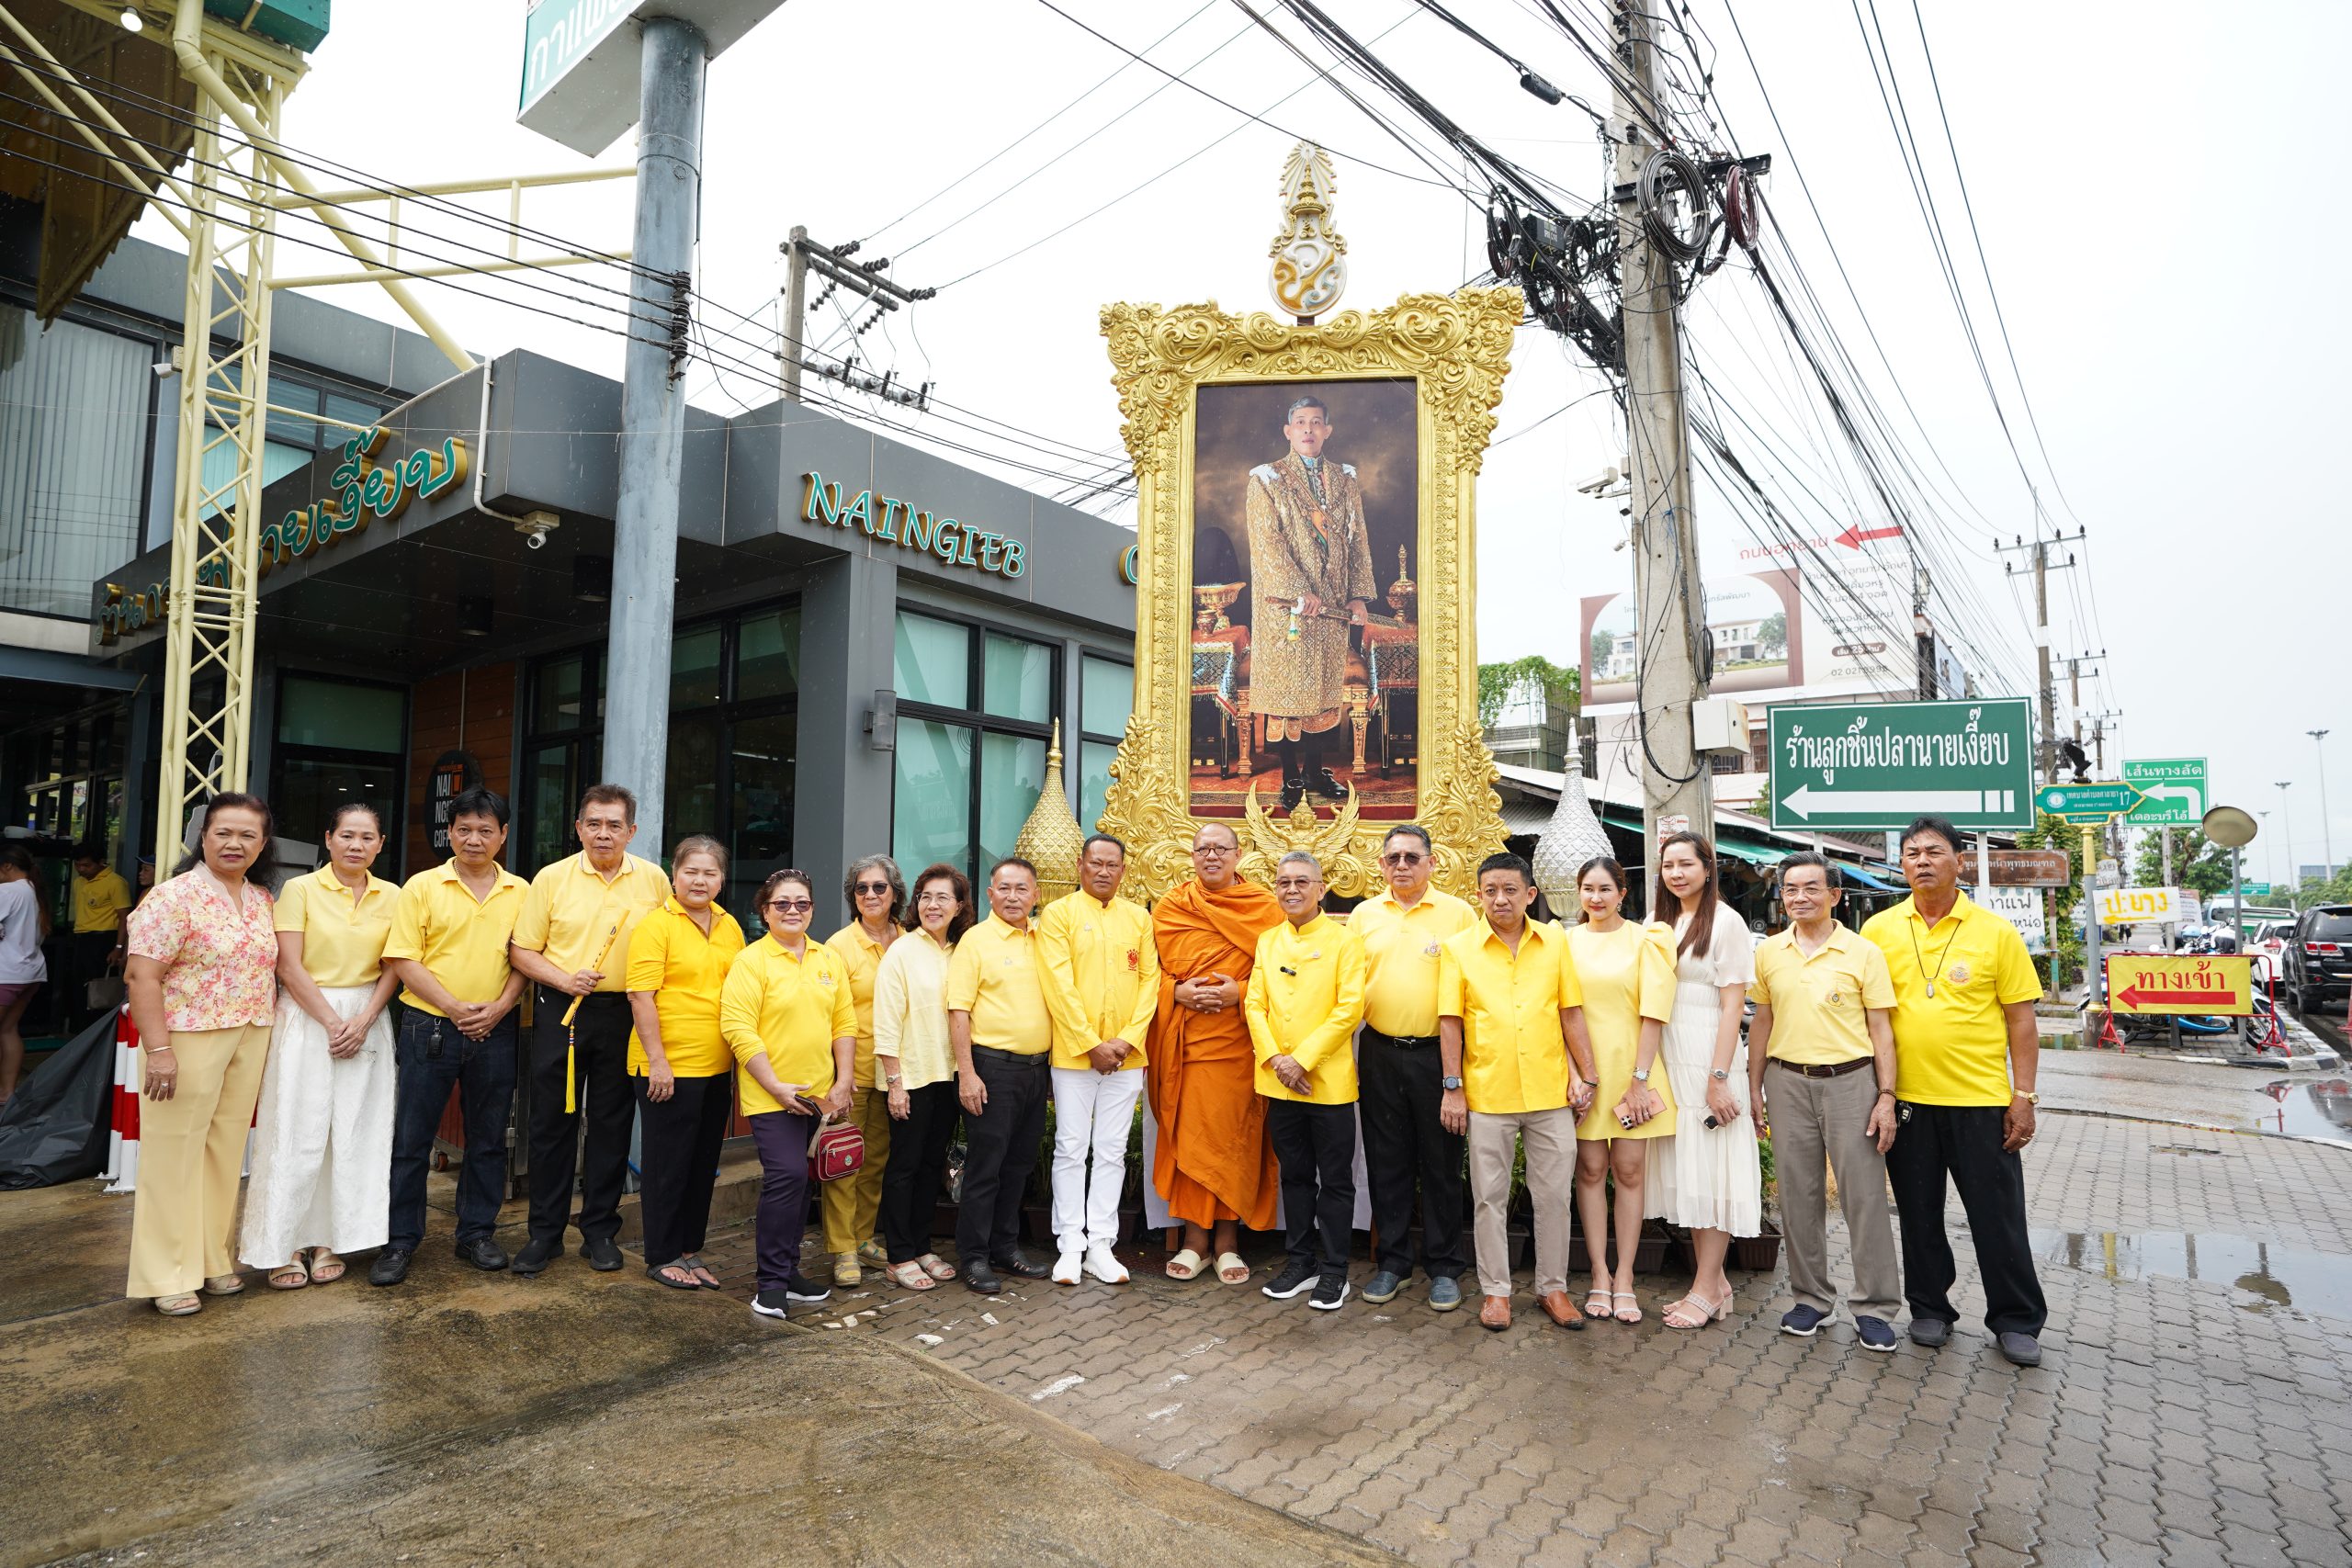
[1517, 1067]
[447, 945]
[571, 944]
[1820, 1047]
[1402, 928]
[101, 898]
[1966, 1050]
[1004, 1037]
[1101, 979]
[1305, 1000]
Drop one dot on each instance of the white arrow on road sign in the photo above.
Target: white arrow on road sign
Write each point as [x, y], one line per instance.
[1806, 800]
[2187, 794]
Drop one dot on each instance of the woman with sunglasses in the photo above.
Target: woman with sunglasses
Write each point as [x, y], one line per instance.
[1626, 971]
[916, 1061]
[878, 897]
[786, 1015]
[678, 961]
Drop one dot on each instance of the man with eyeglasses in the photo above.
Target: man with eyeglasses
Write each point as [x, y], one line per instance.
[1003, 1040]
[1102, 987]
[571, 943]
[1405, 1144]
[1211, 1159]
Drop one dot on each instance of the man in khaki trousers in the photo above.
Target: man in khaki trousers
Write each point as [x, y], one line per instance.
[1822, 1049]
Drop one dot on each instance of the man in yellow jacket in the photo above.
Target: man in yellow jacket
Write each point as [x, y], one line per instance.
[1102, 980]
[1305, 1000]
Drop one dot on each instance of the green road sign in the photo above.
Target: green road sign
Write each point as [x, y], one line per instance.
[2257, 889]
[1880, 764]
[2173, 789]
[2087, 802]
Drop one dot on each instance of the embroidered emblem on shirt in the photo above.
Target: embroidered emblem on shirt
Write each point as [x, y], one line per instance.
[1959, 974]
[1134, 958]
[1431, 950]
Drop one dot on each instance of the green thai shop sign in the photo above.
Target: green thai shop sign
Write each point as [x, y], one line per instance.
[363, 489]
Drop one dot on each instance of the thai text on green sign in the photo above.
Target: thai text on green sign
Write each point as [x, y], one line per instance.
[889, 518]
[1875, 765]
[365, 490]
[557, 33]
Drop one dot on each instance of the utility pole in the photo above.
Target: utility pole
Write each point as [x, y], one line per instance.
[804, 255]
[654, 418]
[2287, 828]
[1670, 674]
[2327, 845]
[2048, 685]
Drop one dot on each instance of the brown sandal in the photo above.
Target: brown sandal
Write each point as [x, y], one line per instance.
[325, 1267]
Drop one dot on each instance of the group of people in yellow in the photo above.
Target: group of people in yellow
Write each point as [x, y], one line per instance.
[1270, 1037]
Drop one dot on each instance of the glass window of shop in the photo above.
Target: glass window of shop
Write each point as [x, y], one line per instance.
[71, 778]
[976, 708]
[1107, 691]
[339, 740]
[74, 407]
[290, 440]
[734, 691]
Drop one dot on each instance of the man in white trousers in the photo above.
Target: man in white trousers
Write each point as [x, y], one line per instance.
[1101, 979]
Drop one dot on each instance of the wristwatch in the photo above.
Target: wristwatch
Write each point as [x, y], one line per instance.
[1641, 1075]
[2029, 1096]
[1449, 1084]
[1721, 1074]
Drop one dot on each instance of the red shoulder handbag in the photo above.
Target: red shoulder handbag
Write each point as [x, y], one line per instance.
[835, 1150]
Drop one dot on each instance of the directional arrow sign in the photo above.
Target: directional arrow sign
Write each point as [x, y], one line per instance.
[2092, 803]
[2166, 983]
[1853, 538]
[2173, 789]
[1873, 765]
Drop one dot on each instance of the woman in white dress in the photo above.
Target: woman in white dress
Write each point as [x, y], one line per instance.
[323, 1138]
[1705, 1177]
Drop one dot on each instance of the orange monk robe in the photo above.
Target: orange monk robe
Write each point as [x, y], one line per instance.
[1213, 1160]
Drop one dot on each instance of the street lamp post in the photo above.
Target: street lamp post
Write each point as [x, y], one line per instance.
[2326, 851]
[2287, 809]
[2269, 851]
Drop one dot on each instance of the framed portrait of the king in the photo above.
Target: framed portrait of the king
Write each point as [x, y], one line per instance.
[1305, 662]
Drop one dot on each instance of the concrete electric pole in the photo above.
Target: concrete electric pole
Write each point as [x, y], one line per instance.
[804, 255]
[2046, 678]
[1670, 661]
[654, 419]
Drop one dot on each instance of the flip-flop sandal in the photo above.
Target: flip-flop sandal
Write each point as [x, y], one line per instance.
[661, 1274]
[912, 1277]
[293, 1277]
[1230, 1269]
[1620, 1315]
[1186, 1265]
[186, 1304]
[938, 1268]
[703, 1276]
[325, 1267]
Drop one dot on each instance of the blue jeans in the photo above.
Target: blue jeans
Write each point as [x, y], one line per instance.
[433, 1056]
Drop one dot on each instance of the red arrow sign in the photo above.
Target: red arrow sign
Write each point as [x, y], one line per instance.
[1854, 538]
[2133, 996]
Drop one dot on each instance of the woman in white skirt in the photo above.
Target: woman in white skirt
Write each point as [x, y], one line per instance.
[323, 1139]
[1705, 1177]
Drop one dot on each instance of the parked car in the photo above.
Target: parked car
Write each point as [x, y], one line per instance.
[2319, 958]
[2269, 950]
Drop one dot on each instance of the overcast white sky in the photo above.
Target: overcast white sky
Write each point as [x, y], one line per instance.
[2149, 181]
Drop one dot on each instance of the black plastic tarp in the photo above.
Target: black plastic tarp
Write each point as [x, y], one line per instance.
[54, 1128]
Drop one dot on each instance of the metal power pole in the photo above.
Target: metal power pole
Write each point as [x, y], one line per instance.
[2326, 844]
[1668, 672]
[654, 418]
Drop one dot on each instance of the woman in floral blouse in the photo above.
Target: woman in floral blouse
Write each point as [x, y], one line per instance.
[203, 984]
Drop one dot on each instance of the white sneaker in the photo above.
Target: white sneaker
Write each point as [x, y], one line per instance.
[1066, 1266]
[1104, 1267]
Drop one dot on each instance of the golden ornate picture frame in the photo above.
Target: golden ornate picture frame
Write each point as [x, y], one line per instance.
[1456, 350]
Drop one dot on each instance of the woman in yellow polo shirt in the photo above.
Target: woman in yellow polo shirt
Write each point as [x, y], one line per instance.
[916, 1063]
[680, 1067]
[786, 1015]
[877, 897]
[322, 1137]
[1627, 974]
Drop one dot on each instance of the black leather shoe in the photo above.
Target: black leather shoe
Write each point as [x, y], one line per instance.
[537, 1253]
[1294, 791]
[1020, 1268]
[981, 1278]
[484, 1254]
[603, 1255]
[1321, 781]
[390, 1267]
[1930, 1332]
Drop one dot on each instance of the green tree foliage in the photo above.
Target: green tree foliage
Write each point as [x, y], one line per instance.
[2197, 863]
[1496, 680]
[1772, 632]
[1598, 653]
[2057, 833]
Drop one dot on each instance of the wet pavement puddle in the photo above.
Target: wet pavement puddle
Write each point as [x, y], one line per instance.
[2278, 1275]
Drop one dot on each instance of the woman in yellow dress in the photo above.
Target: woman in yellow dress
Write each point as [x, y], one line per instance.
[1627, 975]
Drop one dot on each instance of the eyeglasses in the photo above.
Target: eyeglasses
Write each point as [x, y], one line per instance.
[865, 887]
[1216, 850]
[786, 906]
[1402, 859]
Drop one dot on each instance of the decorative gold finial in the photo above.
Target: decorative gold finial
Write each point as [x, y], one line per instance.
[1051, 838]
[1310, 270]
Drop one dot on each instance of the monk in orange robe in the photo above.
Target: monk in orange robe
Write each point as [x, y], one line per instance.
[1213, 1162]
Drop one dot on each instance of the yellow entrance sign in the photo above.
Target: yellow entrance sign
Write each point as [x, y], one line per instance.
[2186, 983]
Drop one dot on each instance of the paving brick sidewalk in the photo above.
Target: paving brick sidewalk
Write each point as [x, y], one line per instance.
[2176, 1419]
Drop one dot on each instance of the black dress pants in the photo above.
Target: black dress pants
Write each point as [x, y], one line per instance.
[1404, 1143]
[999, 1151]
[600, 1089]
[917, 1165]
[679, 1162]
[1315, 1147]
[1964, 1143]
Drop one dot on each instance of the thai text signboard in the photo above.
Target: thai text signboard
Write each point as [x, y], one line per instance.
[1876, 765]
[2180, 983]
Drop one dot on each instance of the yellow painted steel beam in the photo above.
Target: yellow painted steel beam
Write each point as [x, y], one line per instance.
[352, 195]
